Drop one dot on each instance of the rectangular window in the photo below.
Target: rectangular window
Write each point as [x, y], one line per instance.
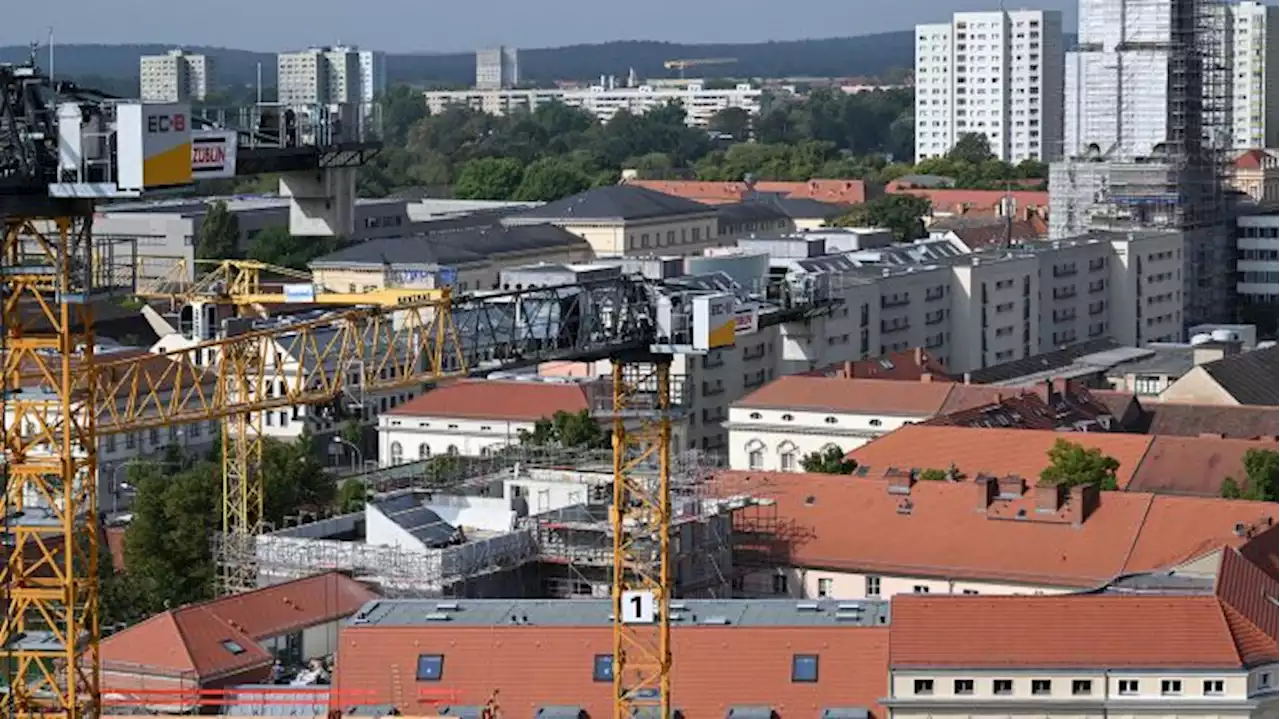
[1213, 687]
[924, 686]
[824, 588]
[920, 589]
[602, 668]
[873, 585]
[1002, 687]
[780, 584]
[1171, 687]
[1128, 687]
[1264, 680]
[430, 667]
[1081, 687]
[1041, 686]
[964, 686]
[804, 668]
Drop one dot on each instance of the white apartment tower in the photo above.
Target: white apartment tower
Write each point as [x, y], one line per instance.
[1255, 93]
[497, 68]
[997, 74]
[175, 76]
[319, 76]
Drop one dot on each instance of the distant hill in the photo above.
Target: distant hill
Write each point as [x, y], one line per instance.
[868, 55]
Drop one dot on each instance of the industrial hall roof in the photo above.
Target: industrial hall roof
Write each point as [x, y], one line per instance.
[613, 203]
[459, 247]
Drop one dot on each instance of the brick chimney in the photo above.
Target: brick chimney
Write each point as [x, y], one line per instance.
[926, 377]
[1012, 486]
[1045, 390]
[987, 488]
[1084, 499]
[1049, 497]
[919, 352]
[846, 371]
[900, 480]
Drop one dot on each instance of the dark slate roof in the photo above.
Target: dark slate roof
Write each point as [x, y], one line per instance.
[425, 525]
[1193, 420]
[738, 212]
[1251, 377]
[460, 246]
[615, 202]
[1040, 363]
[798, 207]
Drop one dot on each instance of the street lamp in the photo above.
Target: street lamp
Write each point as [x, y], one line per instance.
[357, 457]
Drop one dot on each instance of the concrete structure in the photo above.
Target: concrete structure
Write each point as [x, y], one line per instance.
[176, 76]
[497, 68]
[1258, 268]
[997, 74]
[1229, 378]
[1254, 36]
[319, 76]
[605, 100]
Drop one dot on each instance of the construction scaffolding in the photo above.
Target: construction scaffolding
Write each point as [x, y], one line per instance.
[562, 546]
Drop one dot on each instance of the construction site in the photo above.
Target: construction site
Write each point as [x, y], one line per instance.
[1141, 155]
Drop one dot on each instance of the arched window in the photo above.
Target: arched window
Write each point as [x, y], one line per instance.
[424, 451]
[755, 454]
[787, 461]
[453, 449]
[397, 453]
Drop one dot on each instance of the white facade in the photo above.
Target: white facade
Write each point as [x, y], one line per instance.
[605, 100]
[1257, 252]
[998, 74]
[403, 439]
[319, 76]
[497, 68]
[373, 75]
[175, 76]
[775, 440]
[1255, 92]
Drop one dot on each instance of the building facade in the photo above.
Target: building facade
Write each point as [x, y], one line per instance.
[604, 101]
[175, 76]
[497, 68]
[996, 74]
[1258, 268]
[319, 76]
[1255, 70]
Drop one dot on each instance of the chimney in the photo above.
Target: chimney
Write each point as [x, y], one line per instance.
[900, 481]
[987, 488]
[926, 377]
[919, 356]
[1045, 390]
[1084, 498]
[848, 370]
[1012, 486]
[967, 378]
[1213, 351]
[1049, 497]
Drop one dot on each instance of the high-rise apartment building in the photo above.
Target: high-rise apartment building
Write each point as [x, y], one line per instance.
[373, 75]
[1255, 92]
[319, 76]
[175, 76]
[497, 68]
[996, 74]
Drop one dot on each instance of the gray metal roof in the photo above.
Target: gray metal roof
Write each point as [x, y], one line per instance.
[1169, 360]
[797, 207]
[750, 712]
[458, 247]
[596, 612]
[732, 212]
[1046, 361]
[411, 515]
[1250, 378]
[845, 713]
[559, 712]
[613, 202]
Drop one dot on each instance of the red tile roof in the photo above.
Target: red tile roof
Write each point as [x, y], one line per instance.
[191, 641]
[1193, 465]
[907, 365]
[833, 394]
[1251, 594]
[951, 530]
[846, 192]
[949, 200]
[1194, 420]
[1254, 160]
[497, 399]
[1174, 632]
[536, 666]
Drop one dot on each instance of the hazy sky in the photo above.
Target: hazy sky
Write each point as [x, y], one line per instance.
[450, 25]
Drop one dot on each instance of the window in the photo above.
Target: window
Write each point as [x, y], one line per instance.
[964, 686]
[424, 451]
[233, 647]
[1213, 687]
[873, 585]
[924, 686]
[131, 440]
[1041, 686]
[430, 667]
[780, 584]
[824, 588]
[1002, 687]
[1081, 687]
[755, 459]
[602, 668]
[804, 668]
[1171, 686]
[1128, 687]
[1264, 680]
[397, 453]
[920, 589]
[970, 591]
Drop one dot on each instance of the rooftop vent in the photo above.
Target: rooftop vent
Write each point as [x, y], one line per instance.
[807, 607]
[714, 620]
[905, 506]
[437, 617]
[448, 607]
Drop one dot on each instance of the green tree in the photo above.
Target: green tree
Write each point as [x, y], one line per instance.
[1071, 464]
[219, 234]
[276, 246]
[1262, 470]
[402, 107]
[932, 475]
[828, 461]
[732, 121]
[971, 147]
[566, 429]
[488, 178]
[293, 479]
[901, 213]
[550, 179]
[352, 496]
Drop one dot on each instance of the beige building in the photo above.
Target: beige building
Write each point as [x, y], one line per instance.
[1233, 379]
[1255, 173]
[625, 220]
[175, 76]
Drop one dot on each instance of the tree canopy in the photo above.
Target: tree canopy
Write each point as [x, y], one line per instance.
[902, 213]
[565, 429]
[1071, 464]
[828, 461]
[1262, 472]
[219, 234]
[276, 246]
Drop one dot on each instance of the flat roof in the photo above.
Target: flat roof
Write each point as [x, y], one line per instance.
[597, 612]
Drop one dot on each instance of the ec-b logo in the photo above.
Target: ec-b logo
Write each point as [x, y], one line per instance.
[166, 123]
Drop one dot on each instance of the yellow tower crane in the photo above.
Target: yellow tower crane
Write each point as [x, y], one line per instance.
[680, 65]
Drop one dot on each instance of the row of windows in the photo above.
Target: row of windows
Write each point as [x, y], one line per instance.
[804, 668]
[1079, 687]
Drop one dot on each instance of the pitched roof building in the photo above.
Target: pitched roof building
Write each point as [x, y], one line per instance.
[1251, 378]
[842, 192]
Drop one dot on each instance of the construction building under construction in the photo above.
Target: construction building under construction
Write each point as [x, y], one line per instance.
[530, 525]
[1146, 136]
